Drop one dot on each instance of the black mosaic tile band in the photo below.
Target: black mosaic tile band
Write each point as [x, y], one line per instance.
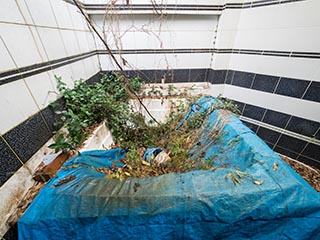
[290, 146]
[296, 88]
[184, 7]
[171, 76]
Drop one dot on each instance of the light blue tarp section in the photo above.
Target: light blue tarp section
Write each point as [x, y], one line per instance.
[193, 205]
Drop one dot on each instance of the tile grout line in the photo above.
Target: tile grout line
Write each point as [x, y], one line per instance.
[41, 42]
[305, 92]
[75, 34]
[61, 37]
[308, 143]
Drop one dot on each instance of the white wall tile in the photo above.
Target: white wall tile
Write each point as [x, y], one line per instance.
[24, 52]
[79, 71]
[41, 12]
[70, 42]
[39, 44]
[300, 68]
[221, 61]
[76, 17]
[65, 72]
[172, 61]
[194, 60]
[226, 39]
[193, 39]
[6, 60]
[24, 11]
[52, 41]
[82, 41]
[229, 19]
[62, 14]
[96, 62]
[288, 39]
[290, 15]
[91, 41]
[42, 89]
[107, 63]
[16, 105]
[91, 68]
[9, 12]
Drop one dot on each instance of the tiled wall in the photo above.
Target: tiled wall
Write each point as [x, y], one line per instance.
[268, 57]
[152, 42]
[38, 39]
[263, 54]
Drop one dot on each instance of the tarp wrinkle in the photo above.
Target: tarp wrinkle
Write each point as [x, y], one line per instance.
[268, 203]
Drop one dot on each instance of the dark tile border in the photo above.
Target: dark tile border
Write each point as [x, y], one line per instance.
[29, 136]
[9, 163]
[275, 118]
[309, 161]
[170, 76]
[265, 83]
[290, 87]
[252, 126]
[253, 112]
[303, 126]
[268, 135]
[313, 92]
[282, 143]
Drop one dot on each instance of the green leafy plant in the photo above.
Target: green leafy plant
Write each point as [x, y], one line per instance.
[87, 105]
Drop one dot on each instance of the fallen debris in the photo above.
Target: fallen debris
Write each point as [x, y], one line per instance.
[311, 175]
[25, 202]
[46, 172]
[65, 180]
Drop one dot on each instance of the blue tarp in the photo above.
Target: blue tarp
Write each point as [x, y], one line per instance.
[270, 202]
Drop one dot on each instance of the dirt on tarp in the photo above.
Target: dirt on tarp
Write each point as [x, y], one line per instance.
[311, 175]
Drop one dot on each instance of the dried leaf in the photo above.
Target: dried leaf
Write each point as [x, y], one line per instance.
[145, 163]
[275, 166]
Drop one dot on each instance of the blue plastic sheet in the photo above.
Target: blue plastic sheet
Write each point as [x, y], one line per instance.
[269, 202]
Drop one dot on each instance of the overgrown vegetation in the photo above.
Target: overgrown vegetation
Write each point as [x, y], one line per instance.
[87, 105]
[108, 100]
